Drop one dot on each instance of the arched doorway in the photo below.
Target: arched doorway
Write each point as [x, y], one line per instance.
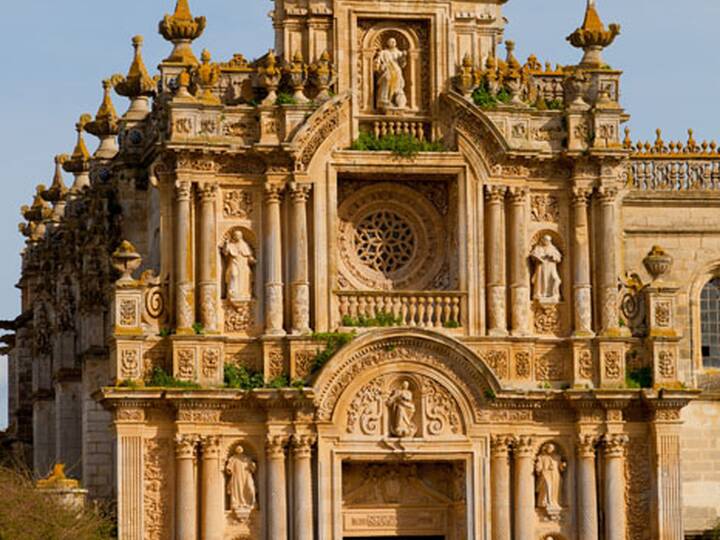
[400, 450]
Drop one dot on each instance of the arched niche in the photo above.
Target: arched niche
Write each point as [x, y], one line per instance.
[447, 382]
[409, 38]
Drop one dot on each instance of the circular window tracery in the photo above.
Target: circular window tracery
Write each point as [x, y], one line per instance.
[384, 241]
[390, 238]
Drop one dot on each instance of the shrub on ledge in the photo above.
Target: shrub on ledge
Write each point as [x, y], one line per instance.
[382, 319]
[404, 145]
[160, 379]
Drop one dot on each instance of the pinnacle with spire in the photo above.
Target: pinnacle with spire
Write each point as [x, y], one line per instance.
[137, 83]
[105, 125]
[181, 29]
[593, 37]
[57, 189]
[80, 156]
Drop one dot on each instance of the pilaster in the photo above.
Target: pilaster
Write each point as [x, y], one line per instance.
[495, 257]
[274, 307]
[208, 268]
[184, 260]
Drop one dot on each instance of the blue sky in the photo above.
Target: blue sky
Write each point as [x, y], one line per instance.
[56, 54]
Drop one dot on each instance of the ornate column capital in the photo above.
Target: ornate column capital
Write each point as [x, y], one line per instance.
[518, 194]
[615, 444]
[299, 193]
[607, 195]
[182, 190]
[523, 446]
[275, 446]
[273, 193]
[208, 192]
[586, 445]
[500, 445]
[210, 446]
[581, 196]
[185, 445]
[495, 193]
[302, 445]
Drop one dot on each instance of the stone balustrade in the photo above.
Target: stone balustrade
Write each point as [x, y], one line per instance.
[432, 309]
[663, 174]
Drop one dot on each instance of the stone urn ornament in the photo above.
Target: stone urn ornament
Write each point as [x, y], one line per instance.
[126, 260]
[658, 262]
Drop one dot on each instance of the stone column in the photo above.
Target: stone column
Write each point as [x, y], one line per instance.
[273, 262]
[496, 289]
[582, 292]
[500, 487]
[208, 259]
[519, 273]
[299, 273]
[302, 484]
[607, 263]
[276, 497]
[185, 497]
[667, 497]
[184, 263]
[614, 500]
[212, 514]
[524, 522]
[587, 488]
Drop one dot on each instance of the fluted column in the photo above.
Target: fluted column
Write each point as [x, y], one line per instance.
[299, 273]
[587, 488]
[614, 500]
[607, 261]
[495, 257]
[185, 497]
[500, 487]
[212, 515]
[276, 497]
[519, 273]
[582, 293]
[273, 262]
[302, 484]
[208, 259]
[524, 522]
[184, 261]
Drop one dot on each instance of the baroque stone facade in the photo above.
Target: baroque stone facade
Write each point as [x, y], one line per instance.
[384, 281]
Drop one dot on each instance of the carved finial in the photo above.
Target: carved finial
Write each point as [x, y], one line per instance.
[297, 75]
[627, 143]
[512, 62]
[126, 260]
[270, 77]
[659, 143]
[322, 76]
[207, 75]
[105, 125]
[691, 143]
[137, 83]
[658, 262]
[181, 29]
[57, 188]
[593, 37]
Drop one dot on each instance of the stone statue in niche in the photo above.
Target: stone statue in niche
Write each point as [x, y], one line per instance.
[389, 65]
[238, 272]
[401, 404]
[241, 483]
[546, 277]
[549, 469]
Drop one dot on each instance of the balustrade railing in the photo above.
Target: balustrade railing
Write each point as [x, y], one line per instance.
[432, 309]
[674, 166]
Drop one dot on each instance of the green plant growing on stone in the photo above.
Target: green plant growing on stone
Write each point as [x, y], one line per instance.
[381, 319]
[403, 145]
[284, 98]
[166, 332]
[334, 341]
[641, 377]
[281, 381]
[242, 378]
[483, 98]
[159, 378]
[451, 324]
[489, 394]
[198, 328]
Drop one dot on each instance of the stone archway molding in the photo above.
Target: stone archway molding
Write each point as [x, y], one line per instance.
[395, 346]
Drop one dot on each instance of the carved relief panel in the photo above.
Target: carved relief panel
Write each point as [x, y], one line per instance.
[404, 406]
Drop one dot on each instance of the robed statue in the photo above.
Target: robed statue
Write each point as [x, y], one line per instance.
[241, 484]
[549, 468]
[390, 81]
[238, 273]
[546, 278]
[402, 411]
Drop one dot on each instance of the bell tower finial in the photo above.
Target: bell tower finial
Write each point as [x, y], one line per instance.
[182, 29]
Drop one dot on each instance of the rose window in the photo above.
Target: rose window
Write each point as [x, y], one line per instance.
[384, 241]
[389, 238]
